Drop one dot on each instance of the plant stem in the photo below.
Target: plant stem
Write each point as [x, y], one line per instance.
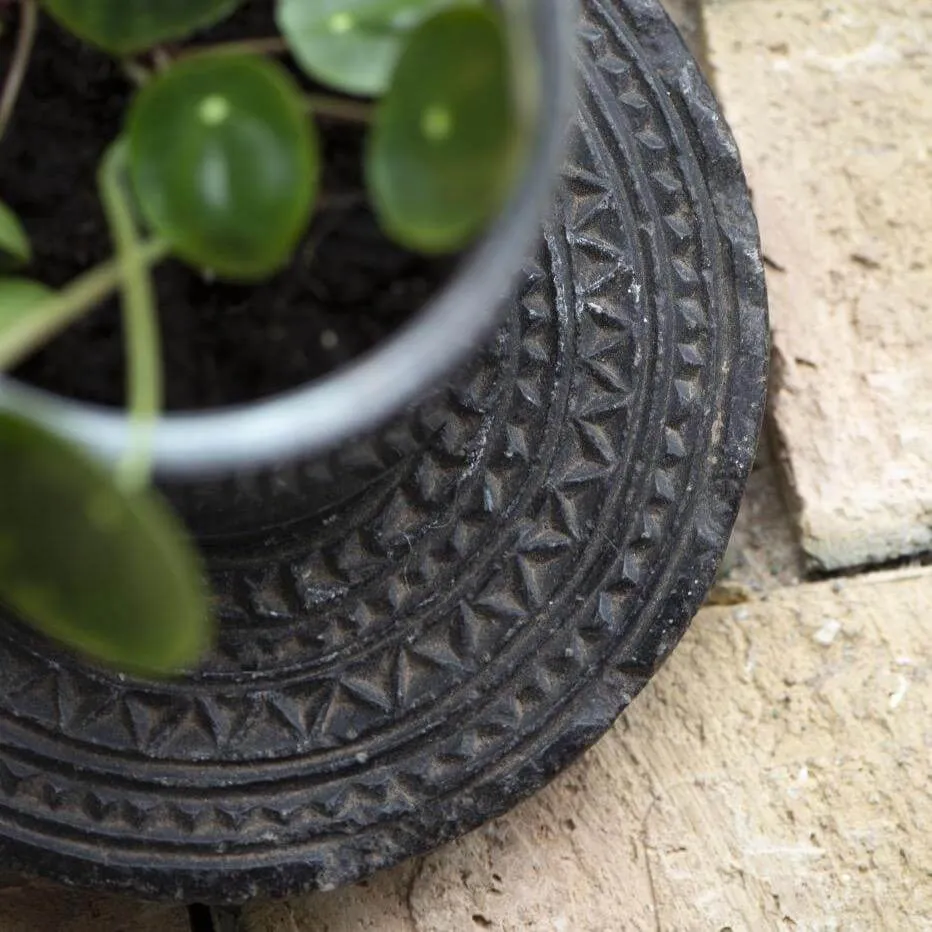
[161, 58]
[140, 321]
[273, 45]
[340, 108]
[66, 306]
[138, 73]
[342, 200]
[28, 21]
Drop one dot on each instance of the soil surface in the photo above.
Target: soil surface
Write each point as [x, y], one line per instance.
[346, 289]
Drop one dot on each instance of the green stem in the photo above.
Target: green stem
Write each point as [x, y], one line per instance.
[340, 108]
[140, 321]
[138, 73]
[66, 306]
[29, 18]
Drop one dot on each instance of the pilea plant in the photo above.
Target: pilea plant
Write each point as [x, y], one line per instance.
[218, 165]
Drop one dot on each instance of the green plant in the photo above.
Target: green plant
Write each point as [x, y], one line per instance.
[219, 165]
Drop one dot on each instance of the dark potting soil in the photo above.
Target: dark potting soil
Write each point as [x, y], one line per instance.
[346, 290]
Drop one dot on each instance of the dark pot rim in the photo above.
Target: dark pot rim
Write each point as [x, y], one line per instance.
[357, 397]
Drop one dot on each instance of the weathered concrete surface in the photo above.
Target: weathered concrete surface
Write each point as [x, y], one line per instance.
[832, 108]
[775, 774]
[40, 907]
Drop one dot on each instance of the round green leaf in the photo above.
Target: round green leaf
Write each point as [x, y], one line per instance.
[19, 297]
[443, 150]
[352, 45]
[110, 575]
[123, 27]
[225, 163]
[14, 244]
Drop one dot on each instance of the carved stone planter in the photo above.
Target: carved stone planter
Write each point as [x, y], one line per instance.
[425, 624]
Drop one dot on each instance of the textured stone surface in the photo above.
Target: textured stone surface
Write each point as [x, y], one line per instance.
[773, 775]
[832, 108]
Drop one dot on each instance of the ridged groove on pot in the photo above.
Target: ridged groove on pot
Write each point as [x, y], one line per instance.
[396, 671]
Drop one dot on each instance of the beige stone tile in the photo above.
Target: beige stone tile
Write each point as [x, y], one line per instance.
[832, 108]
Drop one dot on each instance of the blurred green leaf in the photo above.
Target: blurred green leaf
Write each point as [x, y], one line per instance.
[15, 250]
[353, 45]
[110, 575]
[447, 136]
[123, 27]
[225, 163]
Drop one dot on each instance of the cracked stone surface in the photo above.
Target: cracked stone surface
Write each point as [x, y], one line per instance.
[831, 107]
[774, 774]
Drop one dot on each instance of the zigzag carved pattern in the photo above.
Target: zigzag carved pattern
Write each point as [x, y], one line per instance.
[515, 535]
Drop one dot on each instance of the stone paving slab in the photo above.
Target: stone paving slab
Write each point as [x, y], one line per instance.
[775, 774]
[832, 109]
